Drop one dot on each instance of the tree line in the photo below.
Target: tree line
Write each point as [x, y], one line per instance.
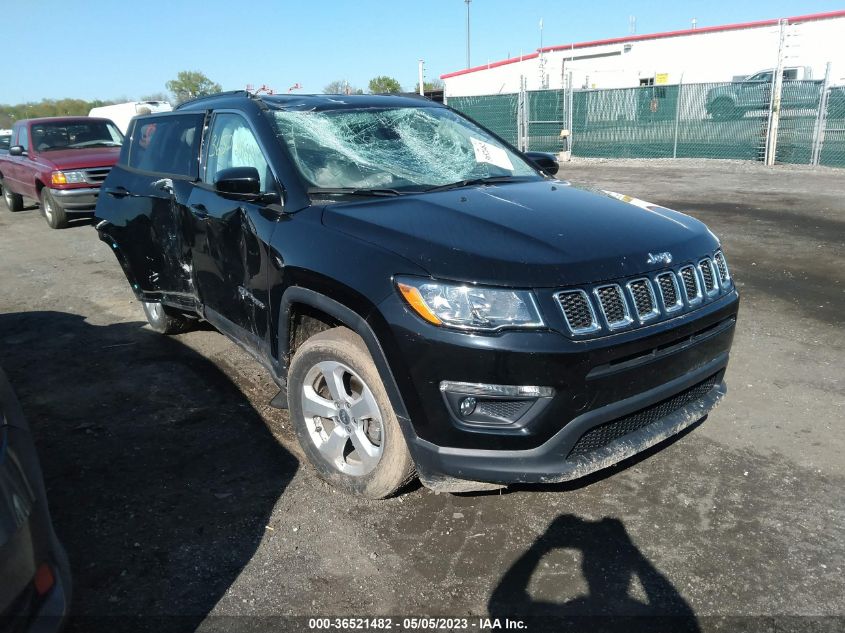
[188, 84]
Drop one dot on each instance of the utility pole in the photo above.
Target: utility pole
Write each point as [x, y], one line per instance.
[422, 90]
[467, 3]
[774, 102]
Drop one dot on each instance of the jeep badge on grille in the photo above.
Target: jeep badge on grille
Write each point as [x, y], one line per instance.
[659, 258]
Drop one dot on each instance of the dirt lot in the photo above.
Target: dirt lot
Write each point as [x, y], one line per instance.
[178, 492]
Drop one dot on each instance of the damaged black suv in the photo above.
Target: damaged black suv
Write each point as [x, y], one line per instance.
[430, 301]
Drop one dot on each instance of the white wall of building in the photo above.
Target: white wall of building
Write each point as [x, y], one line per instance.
[696, 57]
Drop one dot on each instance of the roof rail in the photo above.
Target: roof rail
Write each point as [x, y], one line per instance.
[228, 93]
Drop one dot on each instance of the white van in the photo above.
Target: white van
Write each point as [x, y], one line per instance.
[122, 113]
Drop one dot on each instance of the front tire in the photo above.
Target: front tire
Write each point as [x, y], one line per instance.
[52, 211]
[165, 320]
[14, 201]
[343, 418]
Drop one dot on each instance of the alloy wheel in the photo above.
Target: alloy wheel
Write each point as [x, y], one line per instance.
[342, 418]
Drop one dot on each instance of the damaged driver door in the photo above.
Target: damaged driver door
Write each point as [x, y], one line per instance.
[230, 233]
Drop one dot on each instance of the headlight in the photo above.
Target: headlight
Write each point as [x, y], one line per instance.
[470, 307]
[67, 177]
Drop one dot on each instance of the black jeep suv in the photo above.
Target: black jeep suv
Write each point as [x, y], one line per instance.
[429, 301]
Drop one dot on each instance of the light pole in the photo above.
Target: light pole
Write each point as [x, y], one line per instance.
[467, 3]
[422, 84]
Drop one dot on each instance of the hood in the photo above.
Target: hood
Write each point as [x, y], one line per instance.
[81, 158]
[532, 234]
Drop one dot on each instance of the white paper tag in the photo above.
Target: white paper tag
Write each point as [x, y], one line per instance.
[486, 153]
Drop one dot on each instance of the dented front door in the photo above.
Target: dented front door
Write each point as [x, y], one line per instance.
[229, 236]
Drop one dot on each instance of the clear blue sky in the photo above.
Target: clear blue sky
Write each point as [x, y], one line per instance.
[116, 48]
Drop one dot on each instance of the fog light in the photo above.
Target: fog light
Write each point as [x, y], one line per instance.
[467, 406]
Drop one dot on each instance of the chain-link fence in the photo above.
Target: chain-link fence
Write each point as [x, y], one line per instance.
[497, 113]
[705, 120]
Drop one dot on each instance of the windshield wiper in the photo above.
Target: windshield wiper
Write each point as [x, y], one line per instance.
[471, 181]
[352, 191]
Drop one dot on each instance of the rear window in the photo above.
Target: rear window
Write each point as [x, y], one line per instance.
[5, 141]
[167, 144]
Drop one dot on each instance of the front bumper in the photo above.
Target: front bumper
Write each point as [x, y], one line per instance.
[600, 385]
[80, 200]
[562, 457]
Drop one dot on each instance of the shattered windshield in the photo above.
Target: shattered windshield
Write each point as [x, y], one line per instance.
[393, 149]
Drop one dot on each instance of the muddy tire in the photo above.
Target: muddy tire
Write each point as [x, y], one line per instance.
[14, 201]
[166, 320]
[52, 211]
[343, 418]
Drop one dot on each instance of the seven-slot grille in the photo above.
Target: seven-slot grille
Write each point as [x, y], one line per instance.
[96, 175]
[669, 291]
[690, 281]
[613, 305]
[637, 301]
[578, 311]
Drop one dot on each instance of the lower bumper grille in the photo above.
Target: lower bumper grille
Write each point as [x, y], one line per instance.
[606, 433]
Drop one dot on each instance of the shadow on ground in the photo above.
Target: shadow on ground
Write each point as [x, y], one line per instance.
[613, 570]
[143, 444]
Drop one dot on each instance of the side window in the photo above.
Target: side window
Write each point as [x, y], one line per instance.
[765, 76]
[23, 138]
[790, 74]
[232, 144]
[167, 144]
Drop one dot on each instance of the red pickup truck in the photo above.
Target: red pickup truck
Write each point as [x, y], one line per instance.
[59, 162]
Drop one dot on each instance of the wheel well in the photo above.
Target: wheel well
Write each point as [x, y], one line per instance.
[304, 322]
[38, 187]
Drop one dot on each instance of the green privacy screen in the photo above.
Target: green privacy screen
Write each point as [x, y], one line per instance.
[497, 113]
[710, 120]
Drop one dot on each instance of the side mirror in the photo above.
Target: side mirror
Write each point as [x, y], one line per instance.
[238, 181]
[546, 163]
[16, 150]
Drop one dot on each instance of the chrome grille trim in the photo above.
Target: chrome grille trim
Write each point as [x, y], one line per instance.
[669, 306]
[618, 305]
[565, 301]
[708, 276]
[691, 284]
[613, 306]
[643, 283]
[96, 175]
[722, 267]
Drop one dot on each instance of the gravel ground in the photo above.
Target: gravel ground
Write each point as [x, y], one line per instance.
[179, 493]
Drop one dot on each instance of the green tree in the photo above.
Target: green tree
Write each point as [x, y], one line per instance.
[384, 84]
[190, 84]
[156, 96]
[341, 87]
[429, 85]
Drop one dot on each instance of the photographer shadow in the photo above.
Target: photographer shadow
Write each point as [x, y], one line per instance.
[611, 563]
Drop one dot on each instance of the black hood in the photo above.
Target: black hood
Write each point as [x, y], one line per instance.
[529, 234]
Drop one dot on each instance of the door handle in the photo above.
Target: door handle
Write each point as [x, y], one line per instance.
[117, 192]
[164, 184]
[199, 210]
